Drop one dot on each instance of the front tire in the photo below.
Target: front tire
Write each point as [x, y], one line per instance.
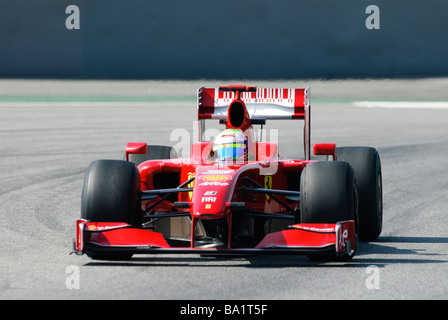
[328, 195]
[109, 194]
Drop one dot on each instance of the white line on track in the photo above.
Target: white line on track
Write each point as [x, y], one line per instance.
[90, 104]
[402, 104]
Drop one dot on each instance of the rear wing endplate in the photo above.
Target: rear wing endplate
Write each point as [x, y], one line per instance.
[261, 103]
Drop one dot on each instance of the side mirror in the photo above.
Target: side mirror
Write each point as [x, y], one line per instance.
[135, 148]
[325, 149]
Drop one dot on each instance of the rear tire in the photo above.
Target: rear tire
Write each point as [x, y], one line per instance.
[328, 195]
[366, 164]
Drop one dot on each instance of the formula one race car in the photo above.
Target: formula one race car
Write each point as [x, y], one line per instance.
[234, 195]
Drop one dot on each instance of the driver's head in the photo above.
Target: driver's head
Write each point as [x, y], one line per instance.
[231, 145]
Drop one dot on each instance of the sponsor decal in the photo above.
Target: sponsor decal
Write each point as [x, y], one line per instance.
[210, 193]
[219, 171]
[98, 226]
[315, 229]
[208, 199]
[343, 238]
[215, 177]
[214, 184]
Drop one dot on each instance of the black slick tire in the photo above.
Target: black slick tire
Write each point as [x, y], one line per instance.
[366, 164]
[328, 195]
[110, 194]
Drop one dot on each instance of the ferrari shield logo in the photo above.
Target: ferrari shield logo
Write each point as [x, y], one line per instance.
[190, 185]
[268, 185]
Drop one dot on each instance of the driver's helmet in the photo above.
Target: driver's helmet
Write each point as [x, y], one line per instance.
[231, 145]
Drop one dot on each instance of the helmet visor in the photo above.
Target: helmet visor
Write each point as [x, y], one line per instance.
[231, 151]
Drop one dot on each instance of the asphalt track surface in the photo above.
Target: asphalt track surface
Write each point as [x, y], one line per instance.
[51, 130]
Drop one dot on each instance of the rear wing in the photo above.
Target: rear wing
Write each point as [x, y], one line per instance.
[261, 103]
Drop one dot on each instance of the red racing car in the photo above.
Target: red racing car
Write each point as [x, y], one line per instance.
[234, 195]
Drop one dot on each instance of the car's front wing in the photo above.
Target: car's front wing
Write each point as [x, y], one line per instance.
[120, 238]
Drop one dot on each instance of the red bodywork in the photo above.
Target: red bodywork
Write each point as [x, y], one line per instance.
[265, 189]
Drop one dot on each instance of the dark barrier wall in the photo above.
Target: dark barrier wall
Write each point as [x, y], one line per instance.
[187, 39]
